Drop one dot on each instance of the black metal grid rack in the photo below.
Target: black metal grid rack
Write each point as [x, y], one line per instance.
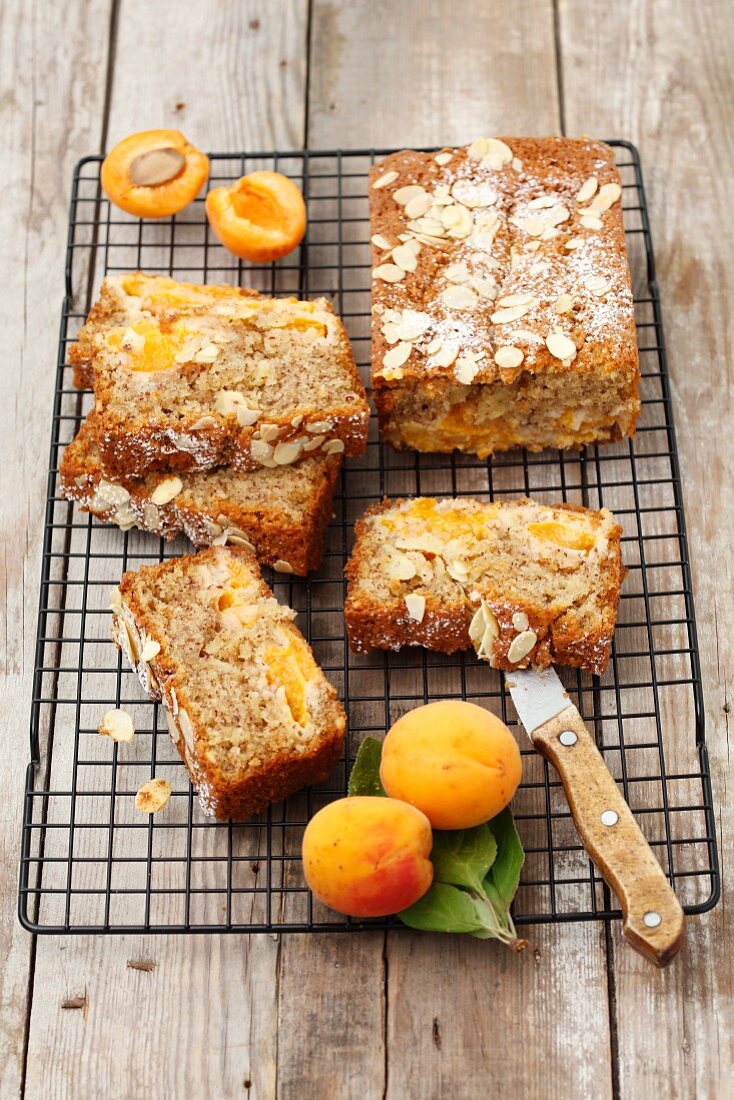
[91, 862]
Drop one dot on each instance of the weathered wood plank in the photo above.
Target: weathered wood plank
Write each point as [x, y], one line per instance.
[421, 74]
[231, 76]
[51, 109]
[660, 76]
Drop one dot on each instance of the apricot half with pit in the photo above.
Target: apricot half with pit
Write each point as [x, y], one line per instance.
[154, 173]
[456, 762]
[260, 218]
[368, 856]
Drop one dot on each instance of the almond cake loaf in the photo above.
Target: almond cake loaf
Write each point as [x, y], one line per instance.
[124, 299]
[262, 383]
[502, 308]
[281, 513]
[249, 710]
[524, 582]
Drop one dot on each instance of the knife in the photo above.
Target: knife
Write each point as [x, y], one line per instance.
[652, 915]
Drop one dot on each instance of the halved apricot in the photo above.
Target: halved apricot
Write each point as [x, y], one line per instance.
[260, 218]
[154, 174]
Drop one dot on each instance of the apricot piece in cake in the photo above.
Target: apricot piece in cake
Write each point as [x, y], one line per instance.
[154, 173]
[260, 218]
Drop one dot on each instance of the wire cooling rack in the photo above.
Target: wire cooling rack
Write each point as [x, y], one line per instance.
[91, 862]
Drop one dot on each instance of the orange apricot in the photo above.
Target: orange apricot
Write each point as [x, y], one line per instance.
[455, 761]
[154, 174]
[368, 856]
[260, 218]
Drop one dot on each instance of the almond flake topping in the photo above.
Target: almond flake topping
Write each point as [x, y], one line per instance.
[459, 297]
[457, 273]
[166, 490]
[573, 243]
[385, 180]
[560, 346]
[117, 725]
[150, 649]
[597, 284]
[396, 356]
[498, 154]
[467, 367]
[405, 257]
[207, 354]
[520, 621]
[587, 189]
[416, 606]
[508, 357]
[514, 313]
[334, 447]
[403, 195]
[380, 242]
[521, 646]
[516, 300]
[389, 273]
[608, 195]
[418, 205]
[413, 324]
[286, 453]
[590, 221]
[563, 303]
[153, 796]
[473, 194]
[444, 356]
[443, 158]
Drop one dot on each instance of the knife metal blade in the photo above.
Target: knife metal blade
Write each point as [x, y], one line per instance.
[538, 696]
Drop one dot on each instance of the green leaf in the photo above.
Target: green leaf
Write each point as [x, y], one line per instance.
[365, 777]
[504, 874]
[444, 908]
[462, 857]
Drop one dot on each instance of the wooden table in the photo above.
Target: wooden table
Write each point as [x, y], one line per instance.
[373, 1015]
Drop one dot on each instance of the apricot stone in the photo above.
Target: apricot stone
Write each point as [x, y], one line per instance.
[455, 761]
[368, 856]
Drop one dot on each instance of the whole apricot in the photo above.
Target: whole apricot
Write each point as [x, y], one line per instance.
[368, 856]
[260, 218]
[455, 761]
[154, 173]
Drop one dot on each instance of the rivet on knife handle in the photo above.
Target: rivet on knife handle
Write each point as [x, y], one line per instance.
[653, 918]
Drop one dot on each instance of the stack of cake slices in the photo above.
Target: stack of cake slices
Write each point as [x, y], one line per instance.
[218, 412]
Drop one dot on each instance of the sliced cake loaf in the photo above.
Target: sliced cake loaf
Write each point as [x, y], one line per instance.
[502, 308]
[126, 299]
[280, 513]
[248, 708]
[524, 582]
[262, 383]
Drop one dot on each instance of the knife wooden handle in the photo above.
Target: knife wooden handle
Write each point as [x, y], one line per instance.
[653, 918]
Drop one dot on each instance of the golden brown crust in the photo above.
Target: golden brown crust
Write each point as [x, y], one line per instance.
[164, 678]
[595, 396]
[386, 623]
[284, 524]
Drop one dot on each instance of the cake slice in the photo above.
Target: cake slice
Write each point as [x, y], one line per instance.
[281, 513]
[248, 708]
[125, 299]
[524, 582]
[502, 308]
[262, 383]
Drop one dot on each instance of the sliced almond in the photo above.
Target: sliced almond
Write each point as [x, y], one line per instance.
[157, 166]
[573, 243]
[150, 649]
[112, 493]
[384, 180]
[474, 194]
[459, 297]
[485, 288]
[521, 646]
[204, 422]
[416, 606]
[281, 566]
[543, 202]
[269, 432]
[286, 453]
[478, 149]
[231, 402]
[498, 154]
[515, 300]
[117, 725]
[508, 357]
[413, 324]
[597, 284]
[587, 189]
[389, 273]
[418, 205]
[401, 568]
[313, 444]
[457, 273]
[520, 621]
[514, 313]
[403, 195]
[467, 368]
[166, 490]
[261, 451]
[560, 346]
[534, 226]
[608, 195]
[333, 447]
[396, 356]
[207, 354]
[563, 303]
[591, 221]
[457, 221]
[405, 257]
[380, 242]
[153, 796]
[443, 158]
[446, 355]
